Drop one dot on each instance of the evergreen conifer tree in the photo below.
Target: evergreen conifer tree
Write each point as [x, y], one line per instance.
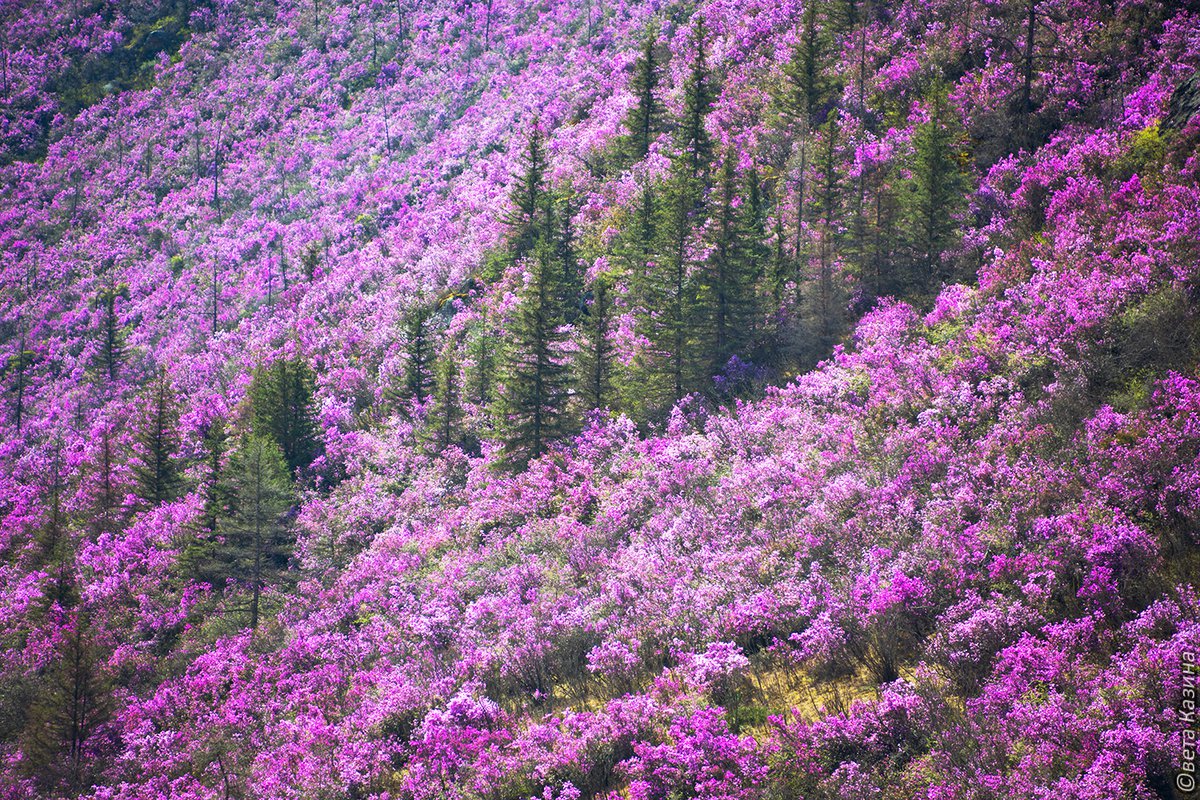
[157, 442]
[255, 545]
[528, 196]
[445, 419]
[936, 190]
[112, 334]
[827, 207]
[678, 328]
[536, 374]
[281, 408]
[418, 377]
[645, 118]
[596, 351]
[18, 365]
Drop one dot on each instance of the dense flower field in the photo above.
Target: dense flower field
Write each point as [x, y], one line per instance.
[566, 400]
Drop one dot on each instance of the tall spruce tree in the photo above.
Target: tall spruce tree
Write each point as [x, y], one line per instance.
[255, 542]
[596, 352]
[73, 701]
[532, 412]
[936, 192]
[752, 223]
[810, 87]
[215, 437]
[692, 137]
[528, 197]
[112, 333]
[645, 118]
[828, 210]
[731, 279]
[18, 365]
[536, 374]
[570, 289]
[281, 408]
[157, 444]
[679, 326]
[482, 342]
[198, 561]
[418, 373]
[444, 424]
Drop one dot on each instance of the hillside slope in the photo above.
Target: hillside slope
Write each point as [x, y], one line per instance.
[864, 453]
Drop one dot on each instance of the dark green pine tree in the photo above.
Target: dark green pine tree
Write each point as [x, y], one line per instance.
[157, 444]
[692, 136]
[677, 330]
[532, 411]
[536, 375]
[676, 317]
[112, 333]
[936, 192]
[810, 87]
[108, 491]
[645, 387]
[596, 351]
[198, 559]
[73, 700]
[481, 354]
[731, 278]
[565, 205]
[214, 461]
[18, 366]
[56, 549]
[444, 424]
[753, 225]
[281, 408]
[883, 209]
[255, 542]
[645, 119]
[528, 196]
[780, 266]
[418, 373]
[635, 248]
[827, 208]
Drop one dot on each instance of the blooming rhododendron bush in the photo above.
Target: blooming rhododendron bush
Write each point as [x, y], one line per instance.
[576, 400]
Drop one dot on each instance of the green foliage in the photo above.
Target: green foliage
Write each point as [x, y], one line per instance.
[214, 459]
[809, 87]
[73, 699]
[936, 193]
[444, 424]
[827, 210]
[418, 377]
[157, 471]
[570, 290]
[280, 398]
[482, 342]
[536, 376]
[1144, 156]
[528, 196]
[731, 271]
[18, 367]
[665, 231]
[254, 543]
[644, 120]
[532, 410]
[692, 137]
[596, 352]
[112, 332]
